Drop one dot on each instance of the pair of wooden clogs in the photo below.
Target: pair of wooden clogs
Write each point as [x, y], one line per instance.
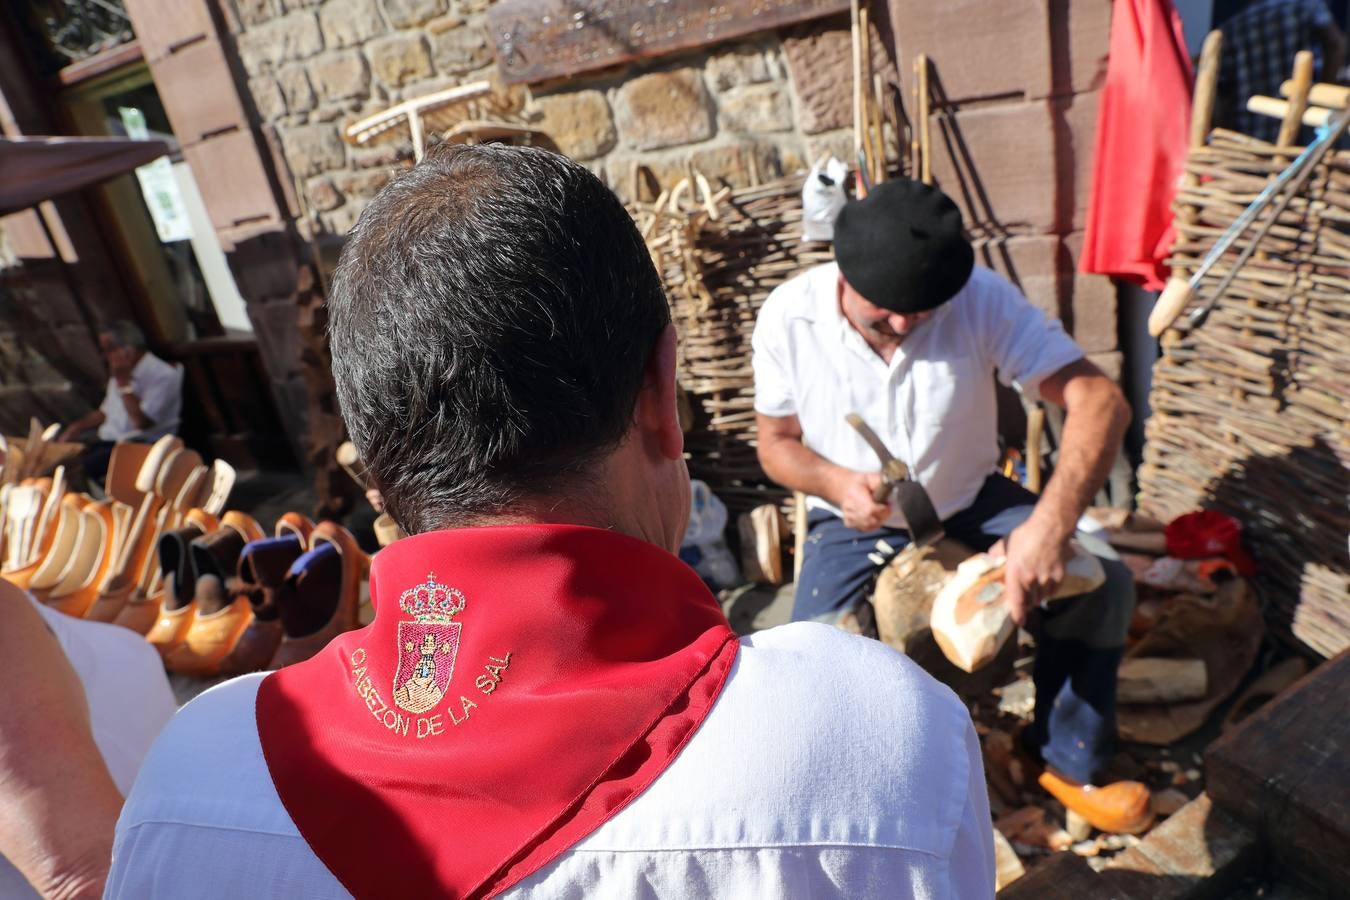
[237, 601]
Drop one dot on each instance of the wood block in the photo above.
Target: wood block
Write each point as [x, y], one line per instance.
[1064, 876]
[993, 161]
[1154, 680]
[971, 44]
[1284, 771]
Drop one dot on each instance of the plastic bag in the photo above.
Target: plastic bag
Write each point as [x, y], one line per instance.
[822, 198]
[704, 546]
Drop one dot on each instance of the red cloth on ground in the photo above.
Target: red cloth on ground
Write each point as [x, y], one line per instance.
[1206, 533]
[1142, 133]
[518, 687]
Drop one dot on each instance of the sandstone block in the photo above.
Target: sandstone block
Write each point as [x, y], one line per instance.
[1076, 152]
[1091, 301]
[738, 165]
[341, 220]
[255, 12]
[397, 59]
[1034, 264]
[472, 7]
[363, 186]
[340, 75]
[312, 149]
[323, 194]
[756, 109]
[461, 49]
[1110, 363]
[409, 13]
[1080, 37]
[269, 44]
[663, 109]
[580, 123]
[234, 168]
[295, 87]
[738, 66]
[978, 49]
[346, 23]
[820, 60]
[385, 155]
[267, 97]
[837, 143]
[993, 162]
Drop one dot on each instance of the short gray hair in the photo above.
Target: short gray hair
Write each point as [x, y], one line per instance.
[125, 333]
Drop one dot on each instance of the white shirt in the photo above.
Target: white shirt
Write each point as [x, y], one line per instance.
[159, 387]
[933, 405]
[129, 703]
[830, 766]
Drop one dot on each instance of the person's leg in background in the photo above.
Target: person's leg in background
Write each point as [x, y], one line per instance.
[95, 460]
[839, 565]
[1079, 640]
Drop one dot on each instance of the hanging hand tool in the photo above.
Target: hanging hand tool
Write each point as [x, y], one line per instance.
[1178, 292]
[921, 519]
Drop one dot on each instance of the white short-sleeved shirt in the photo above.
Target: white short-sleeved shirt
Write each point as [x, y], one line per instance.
[129, 703]
[934, 404]
[159, 387]
[830, 766]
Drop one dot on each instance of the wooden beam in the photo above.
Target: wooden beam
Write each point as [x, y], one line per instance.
[541, 39]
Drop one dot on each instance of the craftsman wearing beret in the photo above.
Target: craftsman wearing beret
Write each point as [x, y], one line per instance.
[907, 331]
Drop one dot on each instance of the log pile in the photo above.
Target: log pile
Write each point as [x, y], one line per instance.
[1251, 409]
[719, 255]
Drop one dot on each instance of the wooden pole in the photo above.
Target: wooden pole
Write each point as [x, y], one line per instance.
[925, 148]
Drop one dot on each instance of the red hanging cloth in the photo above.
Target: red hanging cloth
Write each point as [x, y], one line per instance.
[1142, 130]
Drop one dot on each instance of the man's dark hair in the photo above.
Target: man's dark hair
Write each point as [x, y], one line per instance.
[125, 334]
[490, 320]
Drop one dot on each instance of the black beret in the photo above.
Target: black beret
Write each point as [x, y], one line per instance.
[903, 247]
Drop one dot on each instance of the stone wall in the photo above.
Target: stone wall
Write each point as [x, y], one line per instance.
[753, 109]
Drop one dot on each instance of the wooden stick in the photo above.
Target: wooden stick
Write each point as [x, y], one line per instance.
[1299, 86]
[858, 153]
[925, 154]
[1335, 96]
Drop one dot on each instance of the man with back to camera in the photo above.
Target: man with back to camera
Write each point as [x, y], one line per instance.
[548, 702]
[905, 330]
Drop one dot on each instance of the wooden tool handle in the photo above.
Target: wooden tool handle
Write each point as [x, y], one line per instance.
[882, 492]
[1174, 298]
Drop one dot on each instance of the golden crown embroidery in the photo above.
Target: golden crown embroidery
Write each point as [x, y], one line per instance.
[427, 645]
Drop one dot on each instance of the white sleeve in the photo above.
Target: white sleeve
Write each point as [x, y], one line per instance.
[162, 400]
[1026, 345]
[971, 864]
[775, 394]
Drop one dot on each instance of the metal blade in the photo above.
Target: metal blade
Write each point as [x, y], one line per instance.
[921, 519]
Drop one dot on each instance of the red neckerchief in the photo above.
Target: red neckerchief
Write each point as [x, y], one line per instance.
[518, 687]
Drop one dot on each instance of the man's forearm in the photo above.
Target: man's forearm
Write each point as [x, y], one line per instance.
[57, 810]
[134, 411]
[794, 465]
[1095, 423]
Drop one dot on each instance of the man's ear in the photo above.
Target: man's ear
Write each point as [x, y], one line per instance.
[658, 407]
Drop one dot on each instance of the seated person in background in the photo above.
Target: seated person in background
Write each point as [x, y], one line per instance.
[144, 399]
[548, 703]
[83, 703]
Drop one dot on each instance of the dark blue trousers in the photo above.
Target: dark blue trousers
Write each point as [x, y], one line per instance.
[1079, 640]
